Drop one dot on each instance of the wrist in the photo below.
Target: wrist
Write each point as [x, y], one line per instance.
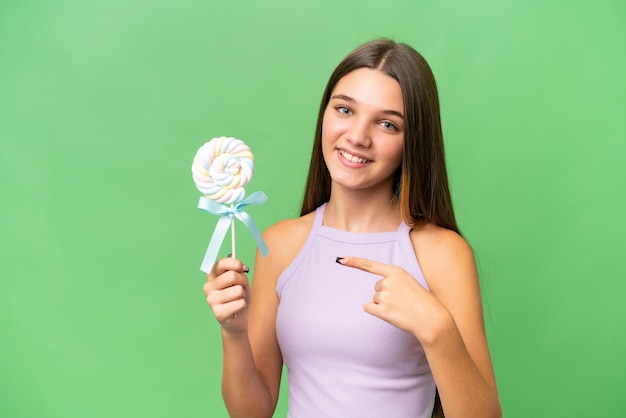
[442, 330]
[234, 336]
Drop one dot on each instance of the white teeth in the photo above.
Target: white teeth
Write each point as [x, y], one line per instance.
[352, 158]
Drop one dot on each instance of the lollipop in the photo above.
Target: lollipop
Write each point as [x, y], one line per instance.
[221, 168]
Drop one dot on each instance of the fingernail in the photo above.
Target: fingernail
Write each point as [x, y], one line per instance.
[246, 269]
[339, 260]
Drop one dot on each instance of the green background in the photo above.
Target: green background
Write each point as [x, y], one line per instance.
[103, 105]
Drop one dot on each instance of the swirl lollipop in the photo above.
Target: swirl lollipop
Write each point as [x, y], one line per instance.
[221, 168]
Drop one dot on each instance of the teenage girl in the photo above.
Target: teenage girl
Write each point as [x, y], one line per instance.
[371, 298]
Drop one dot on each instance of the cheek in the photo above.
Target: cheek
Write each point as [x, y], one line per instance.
[325, 128]
[327, 132]
[332, 125]
[395, 157]
[329, 137]
[396, 151]
[327, 143]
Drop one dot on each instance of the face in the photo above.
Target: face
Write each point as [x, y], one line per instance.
[363, 131]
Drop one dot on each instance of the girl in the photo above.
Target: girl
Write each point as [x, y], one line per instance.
[371, 298]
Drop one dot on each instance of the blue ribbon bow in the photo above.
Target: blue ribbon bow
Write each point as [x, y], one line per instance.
[226, 214]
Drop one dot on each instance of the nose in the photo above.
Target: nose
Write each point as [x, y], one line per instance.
[358, 133]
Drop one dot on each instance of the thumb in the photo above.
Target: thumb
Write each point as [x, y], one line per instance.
[372, 308]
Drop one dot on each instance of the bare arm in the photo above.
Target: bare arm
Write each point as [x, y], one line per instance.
[457, 350]
[228, 293]
[252, 362]
[448, 320]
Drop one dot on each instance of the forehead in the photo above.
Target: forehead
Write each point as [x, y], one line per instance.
[371, 87]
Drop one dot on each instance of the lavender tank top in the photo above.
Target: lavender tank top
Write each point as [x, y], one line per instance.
[342, 361]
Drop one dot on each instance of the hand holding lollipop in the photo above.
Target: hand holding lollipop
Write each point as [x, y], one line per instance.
[221, 168]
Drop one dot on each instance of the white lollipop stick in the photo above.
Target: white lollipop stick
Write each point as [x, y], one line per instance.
[232, 237]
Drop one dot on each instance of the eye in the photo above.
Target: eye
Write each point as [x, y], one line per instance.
[388, 125]
[344, 110]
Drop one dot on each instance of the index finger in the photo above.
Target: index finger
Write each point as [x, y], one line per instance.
[226, 264]
[368, 265]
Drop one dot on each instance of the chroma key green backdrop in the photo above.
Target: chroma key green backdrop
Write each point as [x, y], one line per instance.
[103, 105]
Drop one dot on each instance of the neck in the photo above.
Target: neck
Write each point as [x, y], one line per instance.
[359, 211]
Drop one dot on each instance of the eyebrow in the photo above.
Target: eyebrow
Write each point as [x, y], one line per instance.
[350, 99]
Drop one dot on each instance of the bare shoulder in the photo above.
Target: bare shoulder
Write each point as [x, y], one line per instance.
[446, 258]
[284, 240]
[289, 231]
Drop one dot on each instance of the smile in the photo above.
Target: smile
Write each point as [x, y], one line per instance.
[352, 158]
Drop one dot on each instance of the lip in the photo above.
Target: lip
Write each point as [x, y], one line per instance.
[342, 151]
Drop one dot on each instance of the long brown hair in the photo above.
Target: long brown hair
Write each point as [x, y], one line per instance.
[421, 181]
